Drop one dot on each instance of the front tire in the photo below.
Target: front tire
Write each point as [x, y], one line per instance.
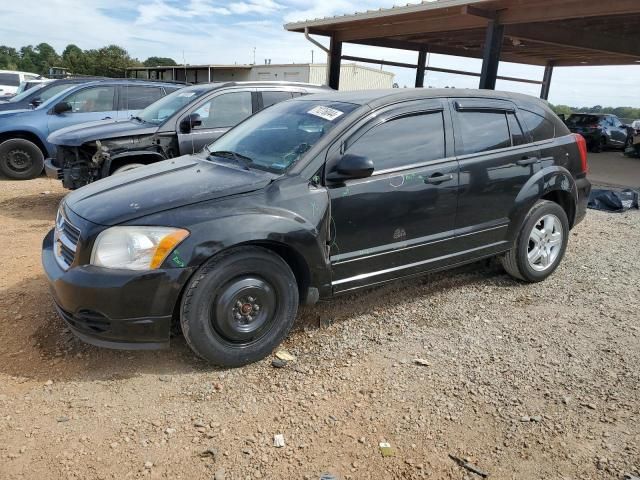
[239, 306]
[540, 245]
[20, 159]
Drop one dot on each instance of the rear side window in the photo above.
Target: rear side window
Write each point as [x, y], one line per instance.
[403, 141]
[539, 127]
[10, 79]
[138, 97]
[482, 132]
[271, 98]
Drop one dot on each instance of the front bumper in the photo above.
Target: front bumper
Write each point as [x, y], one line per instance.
[121, 309]
[51, 170]
[584, 189]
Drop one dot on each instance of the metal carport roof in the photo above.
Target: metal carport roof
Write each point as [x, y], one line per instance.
[536, 32]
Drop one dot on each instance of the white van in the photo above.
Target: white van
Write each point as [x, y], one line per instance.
[10, 81]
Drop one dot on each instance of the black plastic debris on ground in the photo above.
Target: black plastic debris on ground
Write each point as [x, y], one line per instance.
[613, 201]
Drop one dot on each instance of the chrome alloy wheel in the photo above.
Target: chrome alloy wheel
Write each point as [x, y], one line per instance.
[545, 243]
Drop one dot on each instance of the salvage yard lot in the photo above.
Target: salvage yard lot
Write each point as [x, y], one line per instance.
[525, 381]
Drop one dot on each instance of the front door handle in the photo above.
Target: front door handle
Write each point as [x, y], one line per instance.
[437, 178]
[107, 118]
[523, 162]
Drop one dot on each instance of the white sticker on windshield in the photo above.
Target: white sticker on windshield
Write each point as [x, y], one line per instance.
[186, 94]
[327, 113]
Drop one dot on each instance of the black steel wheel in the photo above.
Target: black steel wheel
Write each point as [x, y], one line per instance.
[20, 159]
[239, 306]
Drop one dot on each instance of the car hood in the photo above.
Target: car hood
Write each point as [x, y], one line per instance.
[161, 186]
[76, 135]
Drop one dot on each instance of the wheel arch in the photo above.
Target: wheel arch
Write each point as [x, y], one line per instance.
[120, 160]
[554, 183]
[26, 135]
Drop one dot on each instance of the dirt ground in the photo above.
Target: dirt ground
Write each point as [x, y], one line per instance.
[523, 381]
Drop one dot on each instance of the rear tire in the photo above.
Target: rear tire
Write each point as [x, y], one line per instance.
[540, 245]
[599, 145]
[126, 168]
[239, 306]
[20, 159]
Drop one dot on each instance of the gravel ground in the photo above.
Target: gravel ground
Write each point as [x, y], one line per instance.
[522, 381]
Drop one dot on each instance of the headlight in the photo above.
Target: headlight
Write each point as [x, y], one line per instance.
[135, 248]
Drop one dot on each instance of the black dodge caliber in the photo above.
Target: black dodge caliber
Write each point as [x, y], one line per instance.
[311, 198]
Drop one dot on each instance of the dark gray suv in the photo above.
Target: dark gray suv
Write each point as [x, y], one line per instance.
[179, 124]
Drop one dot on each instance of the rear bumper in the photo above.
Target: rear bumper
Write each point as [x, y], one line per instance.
[115, 308]
[51, 170]
[583, 186]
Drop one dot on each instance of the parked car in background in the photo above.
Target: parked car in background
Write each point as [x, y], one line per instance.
[181, 123]
[601, 130]
[23, 133]
[636, 127]
[42, 92]
[10, 81]
[28, 84]
[311, 198]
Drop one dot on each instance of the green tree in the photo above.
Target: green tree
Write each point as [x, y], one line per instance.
[159, 61]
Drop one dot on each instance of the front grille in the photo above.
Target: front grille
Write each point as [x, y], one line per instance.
[66, 240]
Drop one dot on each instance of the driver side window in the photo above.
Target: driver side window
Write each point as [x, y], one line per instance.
[413, 138]
[226, 110]
[95, 99]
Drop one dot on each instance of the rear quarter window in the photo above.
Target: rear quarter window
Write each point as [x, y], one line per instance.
[539, 127]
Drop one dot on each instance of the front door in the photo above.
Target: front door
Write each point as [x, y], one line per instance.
[218, 113]
[400, 220]
[87, 105]
[496, 160]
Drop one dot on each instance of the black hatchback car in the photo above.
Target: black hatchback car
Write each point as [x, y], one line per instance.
[181, 123]
[308, 199]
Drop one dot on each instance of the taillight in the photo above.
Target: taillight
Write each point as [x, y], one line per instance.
[582, 148]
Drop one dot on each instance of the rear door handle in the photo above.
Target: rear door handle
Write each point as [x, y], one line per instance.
[437, 178]
[523, 162]
[107, 118]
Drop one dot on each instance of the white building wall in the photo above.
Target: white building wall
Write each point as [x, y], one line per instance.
[354, 77]
[281, 73]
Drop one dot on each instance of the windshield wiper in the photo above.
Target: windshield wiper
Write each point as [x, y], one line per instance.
[240, 159]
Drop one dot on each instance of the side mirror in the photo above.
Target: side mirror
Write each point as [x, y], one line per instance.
[190, 121]
[62, 107]
[36, 102]
[352, 166]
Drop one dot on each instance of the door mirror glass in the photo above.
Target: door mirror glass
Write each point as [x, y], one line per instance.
[352, 166]
[190, 121]
[62, 107]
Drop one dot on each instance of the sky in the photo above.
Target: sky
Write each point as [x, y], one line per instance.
[227, 32]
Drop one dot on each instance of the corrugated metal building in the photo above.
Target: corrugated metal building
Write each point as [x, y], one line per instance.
[354, 76]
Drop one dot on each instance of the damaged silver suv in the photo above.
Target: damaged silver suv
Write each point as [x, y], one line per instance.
[179, 124]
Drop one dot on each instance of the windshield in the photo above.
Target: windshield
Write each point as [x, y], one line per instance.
[159, 111]
[581, 120]
[279, 136]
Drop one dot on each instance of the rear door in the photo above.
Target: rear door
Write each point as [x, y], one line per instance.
[496, 159]
[133, 98]
[218, 113]
[400, 220]
[87, 105]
